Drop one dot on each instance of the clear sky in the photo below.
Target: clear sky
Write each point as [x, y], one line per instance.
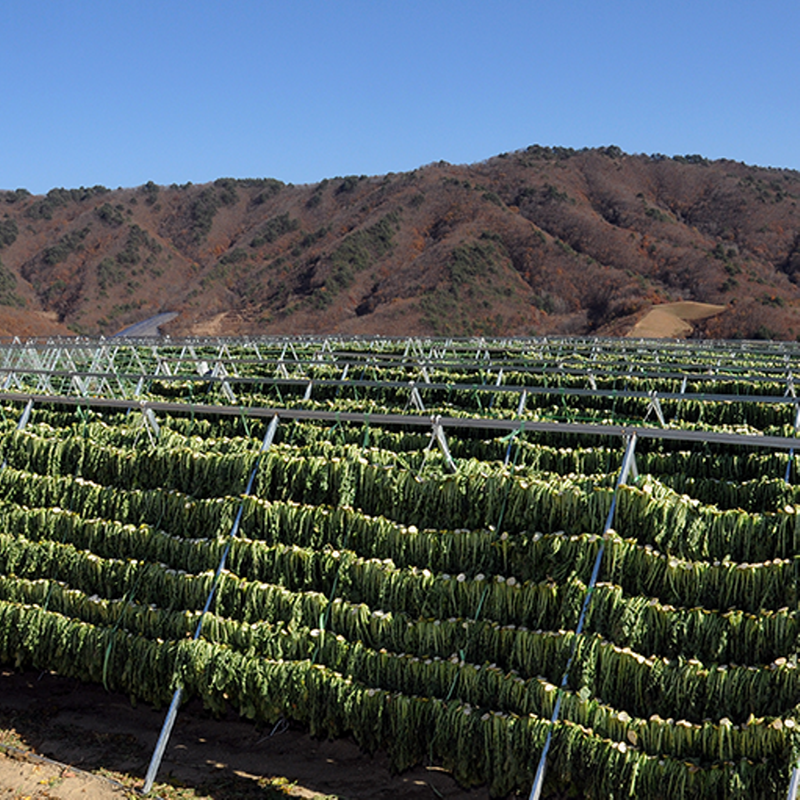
[120, 92]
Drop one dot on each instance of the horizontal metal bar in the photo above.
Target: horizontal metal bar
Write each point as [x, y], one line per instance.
[418, 420]
[612, 360]
[489, 388]
[575, 346]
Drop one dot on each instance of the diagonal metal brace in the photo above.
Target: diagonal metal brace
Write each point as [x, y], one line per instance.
[655, 405]
[441, 440]
[172, 713]
[628, 463]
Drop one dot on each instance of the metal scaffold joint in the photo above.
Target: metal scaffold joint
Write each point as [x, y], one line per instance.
[441, 440]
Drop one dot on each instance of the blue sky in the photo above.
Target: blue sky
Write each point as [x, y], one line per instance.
[121, 92]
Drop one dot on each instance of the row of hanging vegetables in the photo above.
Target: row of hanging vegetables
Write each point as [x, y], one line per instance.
[381, 482]
[479, 743]
[480, 495]
[42, 539]
[548, 392]
[722, 476]
[617, 675]
[431, 614]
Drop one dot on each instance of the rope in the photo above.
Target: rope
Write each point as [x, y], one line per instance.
[127, 602]
[84, 416]
[462, 652]
[337, 425]
[325, 617]
[365, 441]
[245, 424]
[513, 465]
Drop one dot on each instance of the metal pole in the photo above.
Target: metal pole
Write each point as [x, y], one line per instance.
[161, 745]
[794, 783]
[26, 415]
[438, 432]
[23, 421]
[788, 473]
[627, 462]
[166, 730]
[416, 420]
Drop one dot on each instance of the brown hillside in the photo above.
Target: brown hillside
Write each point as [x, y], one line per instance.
[544, 240]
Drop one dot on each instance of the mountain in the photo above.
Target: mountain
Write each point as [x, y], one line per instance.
[542, 240]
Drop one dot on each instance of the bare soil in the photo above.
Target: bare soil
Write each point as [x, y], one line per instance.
[88, 730]
[673, 320]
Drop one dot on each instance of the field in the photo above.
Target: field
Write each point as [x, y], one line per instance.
[481, 557]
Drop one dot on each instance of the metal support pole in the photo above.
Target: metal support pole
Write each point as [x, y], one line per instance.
[166, 730]
[150, 423]
[627, 463]
[416, 397]
[788, 472]
[26, 415]
[161, 744]
[655, 405]
[228, 392]
[511, 438]
[794, 783]
[23, 421]
[220, 372]
[438, 432]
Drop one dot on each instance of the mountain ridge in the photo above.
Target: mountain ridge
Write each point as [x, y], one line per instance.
[541, 240]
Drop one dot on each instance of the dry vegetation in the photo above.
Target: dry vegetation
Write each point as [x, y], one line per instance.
[544, 240]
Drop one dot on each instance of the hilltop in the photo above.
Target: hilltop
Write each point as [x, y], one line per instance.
[542, 240]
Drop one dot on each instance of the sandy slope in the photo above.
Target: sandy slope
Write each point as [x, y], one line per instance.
[673, 320]
[28, 776]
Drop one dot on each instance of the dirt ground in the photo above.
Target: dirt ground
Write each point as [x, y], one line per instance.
[673, 320]
[93, 731]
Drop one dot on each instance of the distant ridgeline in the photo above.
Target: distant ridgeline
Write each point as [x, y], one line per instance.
[542, 240]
